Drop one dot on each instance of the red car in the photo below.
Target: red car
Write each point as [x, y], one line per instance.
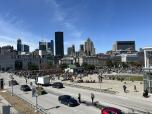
[111, 110]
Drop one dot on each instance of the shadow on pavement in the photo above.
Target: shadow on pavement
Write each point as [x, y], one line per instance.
[53, 107]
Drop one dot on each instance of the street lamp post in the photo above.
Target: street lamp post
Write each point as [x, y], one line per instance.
[12, 83]
[35, 94]
[36, 110]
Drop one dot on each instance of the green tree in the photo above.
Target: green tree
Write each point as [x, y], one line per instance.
[63, 66]
[77, 64]
[135, 64]
[32, 66]
[90, 67]
[124, 65]
[109, 63]
[85, 65]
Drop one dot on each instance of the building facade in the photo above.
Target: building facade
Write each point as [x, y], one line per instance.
[25, 48]
[15, 61]
[89, 48]
[50, 47]
[59, 44]
[148, 69]
[92, 60]
[42, 46]
[71, 51]
[82, 52]
[67, 60]
[124, 46]
[129, 58]
[19, 45]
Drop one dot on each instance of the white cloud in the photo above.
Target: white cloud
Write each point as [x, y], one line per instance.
[73, 32]
[11, 30]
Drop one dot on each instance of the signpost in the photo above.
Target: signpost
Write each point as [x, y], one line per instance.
[35, 94]
[11, 76]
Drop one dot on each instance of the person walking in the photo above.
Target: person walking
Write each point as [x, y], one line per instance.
[124, 88]
[92, 97]
[31, 83]
[79, 97]
[26, 80]
[135, 88]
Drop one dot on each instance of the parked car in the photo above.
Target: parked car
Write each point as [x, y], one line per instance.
[25, 88]
[68, 100]
[57, 85]
[111, 110]
[13, 82]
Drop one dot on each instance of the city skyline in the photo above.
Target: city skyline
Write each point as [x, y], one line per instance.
[103, 21]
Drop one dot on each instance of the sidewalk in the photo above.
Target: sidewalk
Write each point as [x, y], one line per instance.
[3, 102]
[115, 86]
[18, 105]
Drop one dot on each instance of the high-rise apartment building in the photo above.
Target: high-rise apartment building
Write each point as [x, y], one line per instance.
[124, 46]
[50, 47]
[42, 46]
[19, 45]
[71, 51]
[89, 47]
[25, 48]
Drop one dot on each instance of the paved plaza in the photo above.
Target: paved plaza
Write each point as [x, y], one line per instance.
[115, 85]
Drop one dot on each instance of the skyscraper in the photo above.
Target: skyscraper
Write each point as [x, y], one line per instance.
[82, 47]
[19, 45]
[124, 45]
[71, 51]
[81, 50]
[89, 47]
[42, 46]
[50, 47]
[25, 48]
[59, 44]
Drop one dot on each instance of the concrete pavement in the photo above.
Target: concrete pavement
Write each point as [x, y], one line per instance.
[103, 98]
[49, 101]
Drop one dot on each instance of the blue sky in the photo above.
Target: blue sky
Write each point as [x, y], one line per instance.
[104, 21]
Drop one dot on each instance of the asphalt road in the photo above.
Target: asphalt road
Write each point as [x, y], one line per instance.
[49, 101]
[103, 98]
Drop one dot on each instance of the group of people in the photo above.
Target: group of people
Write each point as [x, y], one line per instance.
[92, 97]
[125, 88]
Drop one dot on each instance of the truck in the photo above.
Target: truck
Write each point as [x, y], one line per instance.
[44, 81]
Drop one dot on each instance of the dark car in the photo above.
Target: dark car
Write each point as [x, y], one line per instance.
[57, 85]
[111, 110]
[25, 88]
[13, 82]
[68, 100]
